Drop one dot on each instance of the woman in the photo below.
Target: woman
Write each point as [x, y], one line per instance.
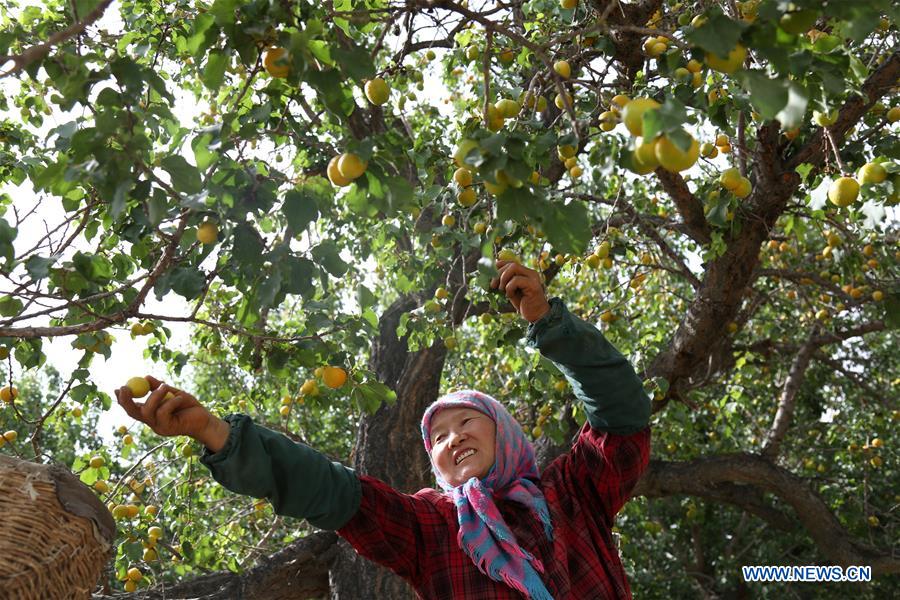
[499, 529]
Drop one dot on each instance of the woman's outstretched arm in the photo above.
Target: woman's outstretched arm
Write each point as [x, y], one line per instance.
[252, 460]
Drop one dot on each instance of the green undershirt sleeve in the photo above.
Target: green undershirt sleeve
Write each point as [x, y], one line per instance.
[298, 481]
[613, 396]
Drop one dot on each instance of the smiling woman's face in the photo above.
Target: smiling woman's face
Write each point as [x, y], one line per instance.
[463, 444]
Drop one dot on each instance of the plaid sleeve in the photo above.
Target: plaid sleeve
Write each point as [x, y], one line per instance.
[605, 467]
[398, 531]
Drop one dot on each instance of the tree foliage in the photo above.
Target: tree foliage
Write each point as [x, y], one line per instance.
[762, 315]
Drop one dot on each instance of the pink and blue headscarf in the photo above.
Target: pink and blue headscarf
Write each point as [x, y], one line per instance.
[483, 533]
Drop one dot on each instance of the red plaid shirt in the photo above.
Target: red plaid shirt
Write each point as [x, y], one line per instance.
[415, 535]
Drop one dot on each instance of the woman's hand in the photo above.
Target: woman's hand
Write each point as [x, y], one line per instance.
[168, 411]
[524, 289]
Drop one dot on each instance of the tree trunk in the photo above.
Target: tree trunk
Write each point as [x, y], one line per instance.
[389, 446]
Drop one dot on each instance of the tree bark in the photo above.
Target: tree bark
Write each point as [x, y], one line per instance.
[688, 355]
[389, 446]
[743, 479]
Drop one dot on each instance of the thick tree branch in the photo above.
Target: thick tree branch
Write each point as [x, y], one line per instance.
[35, 53]
[689, 207]
[726, 278]
[741, 479]
[767, 346]
[786, 402]
[298, 572]
[103, 321]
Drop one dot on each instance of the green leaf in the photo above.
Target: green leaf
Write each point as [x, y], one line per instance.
[156, 209]
[7, 235]
[864, 21]
[204, 146]
[892, 310]
[719, 34]
[543, 143]
[81, 391]
[567, 226]
[185, 177]
[187, 282]
[769, 96]
[343, 6]
[202, 36]
[326, 254]
[248, 247]
[10, 306]
[187, 549]
[129, 74]
[224, 11]
[826, 43]
[89, 476]
[681, 138]
[666, 119]
[518, 205]
[792, 115]
[364, 297]
[328, 84]
[297, 275]
[717, 213]
[399, 196]
[84, 7]
[370, 317]
[300, 209]
[321, 50]
[214, 72]
[38, 267]
[29, 354]
[369, 396]
[120, 198]
[159, 86]
[355, 61]
[268, 290]
[94, 267]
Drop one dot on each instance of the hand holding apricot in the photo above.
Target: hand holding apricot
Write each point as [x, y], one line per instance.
[168, 411]
[524, 289]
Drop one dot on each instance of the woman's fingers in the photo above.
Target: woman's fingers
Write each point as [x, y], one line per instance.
[529, 277]
[164, 414]
[152, 404]
[145, 412]
[502, 265]
[517, 288]
[505, 272]
[123, 395]
[167, 411]
[523, 287]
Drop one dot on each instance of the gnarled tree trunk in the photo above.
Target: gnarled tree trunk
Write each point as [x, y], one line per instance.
[389, 446]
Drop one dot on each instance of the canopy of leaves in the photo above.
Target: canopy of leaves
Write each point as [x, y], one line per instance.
[763, 323]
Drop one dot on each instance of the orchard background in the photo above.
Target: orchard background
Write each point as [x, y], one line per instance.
[328, 184]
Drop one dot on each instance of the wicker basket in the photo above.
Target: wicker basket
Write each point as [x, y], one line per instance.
[55, 534]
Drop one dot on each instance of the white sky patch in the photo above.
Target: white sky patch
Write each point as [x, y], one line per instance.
[875, 214]
[819, 196]
[829, 415]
